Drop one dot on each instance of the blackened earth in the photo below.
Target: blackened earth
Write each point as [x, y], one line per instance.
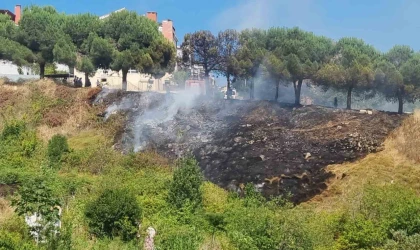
[281, 149]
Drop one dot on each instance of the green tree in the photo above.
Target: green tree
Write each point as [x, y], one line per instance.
[86, 66]
[277, 69]
[185, 190]
[303, 52]
[80, 26]
[394, 76]
[351, 68]
[180, 77]
[138, 44]
[15, 52]
[40, 30]
[251, 55]
[201, 48]
[36, 198]
[228, 46]
[83, 30]
[115, 213]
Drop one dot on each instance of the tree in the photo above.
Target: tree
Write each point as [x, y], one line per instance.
[201, 48]
[184, 189]
[390, 78]
[10, 49]
[133, 36]
[40, 30]
[303, 53]
[36, 199]
[180, 77]
[228, 45]
[15, 52]
[351, 68]
[86, 66]
[277, 69]
[114, 213]
[83, 30]
[80, 26]
[251, 55]
[162, 58]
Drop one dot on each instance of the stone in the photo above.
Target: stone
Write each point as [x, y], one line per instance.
[237, 139]
[262, 157]
[369, 112]
[307, 156]
[149, 243]
[339, 127]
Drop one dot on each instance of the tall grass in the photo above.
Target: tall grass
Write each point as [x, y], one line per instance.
[406, 139]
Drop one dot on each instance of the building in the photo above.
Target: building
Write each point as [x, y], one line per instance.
[166, 27]
[107, 15]
[14, 16]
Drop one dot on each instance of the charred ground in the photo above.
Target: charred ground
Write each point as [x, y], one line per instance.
[279, 148]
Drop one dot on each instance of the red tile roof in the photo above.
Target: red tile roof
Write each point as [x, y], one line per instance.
[8, 12]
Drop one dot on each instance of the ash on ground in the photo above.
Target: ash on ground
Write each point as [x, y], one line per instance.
[281, 149]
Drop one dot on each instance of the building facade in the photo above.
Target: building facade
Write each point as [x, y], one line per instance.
[14, 16]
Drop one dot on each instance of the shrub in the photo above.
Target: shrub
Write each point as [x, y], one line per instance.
[114, 213]
[57, 147]
[13, 130]
[36, 197]
[185, 189]
[401, 241]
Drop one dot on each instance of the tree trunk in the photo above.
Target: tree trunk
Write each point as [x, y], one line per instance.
[41, 70]
[229, 92]
[251, 89]
[350, 89]
[87, 81]
[124, 79]
[298, 89]
[277, 91]
[207, 82]
[400, 100]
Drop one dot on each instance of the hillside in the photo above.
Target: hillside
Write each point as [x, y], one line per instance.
[356, 160]
[279, 148]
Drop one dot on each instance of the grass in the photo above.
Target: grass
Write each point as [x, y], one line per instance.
[398, 163]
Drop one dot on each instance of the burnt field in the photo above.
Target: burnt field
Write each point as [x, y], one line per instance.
[279, 148]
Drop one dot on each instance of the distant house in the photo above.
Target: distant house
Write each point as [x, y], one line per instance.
[14, 16]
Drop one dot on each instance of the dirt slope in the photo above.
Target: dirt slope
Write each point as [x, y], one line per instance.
[279, 148]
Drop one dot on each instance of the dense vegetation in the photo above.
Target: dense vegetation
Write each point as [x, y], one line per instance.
[108, 200]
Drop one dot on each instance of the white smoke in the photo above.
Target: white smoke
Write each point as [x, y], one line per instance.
[164, 112]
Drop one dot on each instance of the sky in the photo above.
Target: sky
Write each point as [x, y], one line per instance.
[382, 23]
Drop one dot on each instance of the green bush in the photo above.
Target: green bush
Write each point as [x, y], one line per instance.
[57, 147]
[185, 189]
[9, 177]
[13, 130]
[114, 213]
[400, 241]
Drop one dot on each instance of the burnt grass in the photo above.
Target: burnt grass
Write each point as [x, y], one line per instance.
[283, 150]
